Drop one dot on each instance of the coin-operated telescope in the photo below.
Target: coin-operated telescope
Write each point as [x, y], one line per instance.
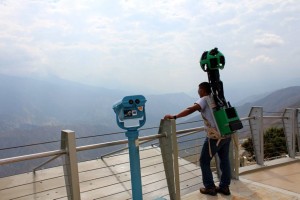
[130, 112]
[225, 116]
[130, 115]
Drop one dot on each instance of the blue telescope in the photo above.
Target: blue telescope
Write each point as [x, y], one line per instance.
[130, 115]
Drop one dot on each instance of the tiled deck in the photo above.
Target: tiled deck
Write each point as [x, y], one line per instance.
[278, 181]
[244, 189]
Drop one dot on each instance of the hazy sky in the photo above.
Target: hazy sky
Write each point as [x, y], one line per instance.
[152, 46]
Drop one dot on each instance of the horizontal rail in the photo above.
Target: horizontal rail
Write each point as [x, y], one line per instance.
[60, 152]
[107, 144]
[96, 146]
[247, 118]
[265, 117]
[31, 156]
[197, 129]
[144, 139]
[101, 145]
[275, 117]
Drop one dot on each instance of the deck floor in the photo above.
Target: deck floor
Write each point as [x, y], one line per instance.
[102, 178]
[280, 182]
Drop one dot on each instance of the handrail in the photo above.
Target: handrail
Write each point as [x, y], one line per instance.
[31, 156]
[107, 144]
[122, 149]
[93, 146]
[246, 118]
[197, 129]
[275, 117]
[101, 145]
[57, 153]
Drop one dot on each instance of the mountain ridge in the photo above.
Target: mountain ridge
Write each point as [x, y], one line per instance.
[275, 101]
[33, 102]
[35, 111]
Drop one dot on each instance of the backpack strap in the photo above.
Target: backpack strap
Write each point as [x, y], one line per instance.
[212, 133]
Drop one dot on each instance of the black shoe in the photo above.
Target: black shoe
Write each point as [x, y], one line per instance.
[223, 190]
[210, 191]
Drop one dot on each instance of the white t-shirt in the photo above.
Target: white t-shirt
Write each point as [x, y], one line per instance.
[204, 102]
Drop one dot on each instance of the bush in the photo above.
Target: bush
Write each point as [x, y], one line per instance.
[274, 143]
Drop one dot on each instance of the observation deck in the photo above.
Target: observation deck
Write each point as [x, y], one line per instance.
[169, 165]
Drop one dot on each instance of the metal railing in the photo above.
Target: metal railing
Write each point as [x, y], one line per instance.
[91, 177]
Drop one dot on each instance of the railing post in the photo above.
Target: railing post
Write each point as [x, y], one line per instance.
[288, 119]
[68, 143]
[234, 156]
[298, 127]
[169, 151]
[256, 127]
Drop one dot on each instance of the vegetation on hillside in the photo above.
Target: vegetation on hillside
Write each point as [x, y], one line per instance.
[274, 143]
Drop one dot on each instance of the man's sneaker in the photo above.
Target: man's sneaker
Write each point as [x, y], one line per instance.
[223, 190]
[210, 191]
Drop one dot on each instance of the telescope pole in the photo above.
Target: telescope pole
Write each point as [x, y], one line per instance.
[135, 168]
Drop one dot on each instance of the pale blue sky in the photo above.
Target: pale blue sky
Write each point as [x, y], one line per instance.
[152, 46]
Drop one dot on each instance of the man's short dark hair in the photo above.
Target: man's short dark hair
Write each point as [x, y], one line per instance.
[206, 87]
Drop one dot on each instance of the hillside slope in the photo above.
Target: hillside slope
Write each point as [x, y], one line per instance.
[276, 101]
[35, 111]
[27, 101]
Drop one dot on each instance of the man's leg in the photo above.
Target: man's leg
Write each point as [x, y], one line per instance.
[223, 154]
[205, 159]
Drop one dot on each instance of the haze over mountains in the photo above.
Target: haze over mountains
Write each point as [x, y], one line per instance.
[34, 111]
[41, 103]
[28, 102]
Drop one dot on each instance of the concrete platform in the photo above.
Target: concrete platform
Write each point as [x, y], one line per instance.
[244, 189]
[277, 180]
[285, 176]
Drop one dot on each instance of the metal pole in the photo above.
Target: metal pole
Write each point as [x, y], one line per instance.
[31, 156]
[68, 143]
[289, 130]
[135, 168]
[256, 127]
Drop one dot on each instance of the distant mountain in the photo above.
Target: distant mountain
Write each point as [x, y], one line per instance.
[35, 111]
[250, 99]
[275, 101]
[28, 105]
[27, 101]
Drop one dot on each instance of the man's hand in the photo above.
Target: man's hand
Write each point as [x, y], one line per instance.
[168, 116]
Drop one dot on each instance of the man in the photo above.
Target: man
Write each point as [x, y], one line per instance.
[211, 145]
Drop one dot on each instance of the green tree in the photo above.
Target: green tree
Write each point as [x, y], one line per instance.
[274, 143]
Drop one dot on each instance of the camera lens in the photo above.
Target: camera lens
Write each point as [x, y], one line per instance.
[130, 101]
[137, 101]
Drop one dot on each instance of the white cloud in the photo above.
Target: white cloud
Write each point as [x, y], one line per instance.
[262, 59]
[268, 40]
[100, 42]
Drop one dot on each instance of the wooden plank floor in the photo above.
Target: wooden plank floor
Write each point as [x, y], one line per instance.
[110, 179]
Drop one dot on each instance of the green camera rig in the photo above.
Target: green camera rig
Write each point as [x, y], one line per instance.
[225, 115]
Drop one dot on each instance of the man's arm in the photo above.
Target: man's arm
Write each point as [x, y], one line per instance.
[185, 112]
